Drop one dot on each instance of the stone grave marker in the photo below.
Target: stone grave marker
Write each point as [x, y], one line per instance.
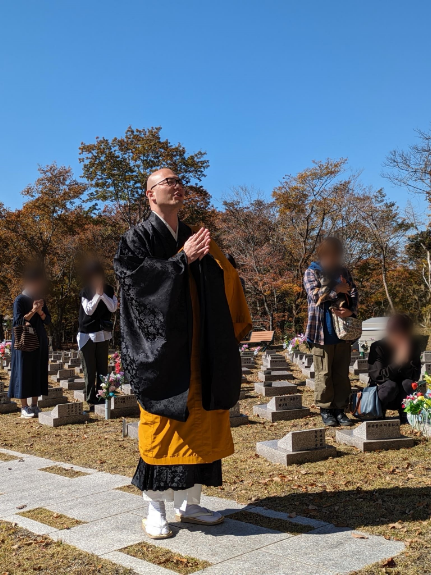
[282, 408]
[6, 405]
[275, 388]
[236, 417]
[54, 367]
[426, 357]
[127, 389]
[247, 361]
[426, 368]
[268, 375]
[375, 435]
[275, 364]
[364, 377]
[63, 414]
[310, 383]
[309, 371]
[79, 394]
[121, 406]
[63, 374]
[55, 396]
[297, 447]
[133, 430]
[73, 383]
[360, 366]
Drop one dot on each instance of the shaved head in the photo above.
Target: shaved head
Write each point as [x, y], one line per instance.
[165, 196]
[158, 176]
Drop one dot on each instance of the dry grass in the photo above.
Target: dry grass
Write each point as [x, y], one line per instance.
[63, 471]
[165, 558]
[367, 491]
[51, 518]
[23, 552]
[270, 522]
[7, 457]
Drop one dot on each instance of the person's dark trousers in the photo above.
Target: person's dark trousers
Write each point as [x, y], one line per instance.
[391, 393]
[94, 358]
[332, 382]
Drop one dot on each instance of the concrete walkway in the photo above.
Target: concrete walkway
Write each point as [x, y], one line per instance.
[113, 521]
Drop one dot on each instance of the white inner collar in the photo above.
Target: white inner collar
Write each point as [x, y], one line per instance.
[174, 234]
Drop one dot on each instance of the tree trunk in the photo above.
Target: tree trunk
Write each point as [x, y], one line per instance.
[385, 284]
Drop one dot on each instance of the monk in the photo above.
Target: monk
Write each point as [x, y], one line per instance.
[183, 312]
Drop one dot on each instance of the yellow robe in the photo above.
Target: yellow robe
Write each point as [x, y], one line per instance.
[205, 436]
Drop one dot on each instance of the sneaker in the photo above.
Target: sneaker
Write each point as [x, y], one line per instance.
[26, 412]
[342, 418]
[156, 525]
[36, 410]
[328, 417]
[199, 515]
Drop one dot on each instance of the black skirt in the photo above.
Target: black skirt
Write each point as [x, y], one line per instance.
[177, 477]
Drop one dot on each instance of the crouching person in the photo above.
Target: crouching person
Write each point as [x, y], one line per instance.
[394, 364]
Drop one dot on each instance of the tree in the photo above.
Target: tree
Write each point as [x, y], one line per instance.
[248, 230]
[385, 229]
[118, 169]
[412, 169]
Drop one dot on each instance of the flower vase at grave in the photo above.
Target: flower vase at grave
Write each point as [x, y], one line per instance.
[108, 408]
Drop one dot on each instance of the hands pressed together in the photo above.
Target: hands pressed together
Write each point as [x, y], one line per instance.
[38, 306]
[198, 245]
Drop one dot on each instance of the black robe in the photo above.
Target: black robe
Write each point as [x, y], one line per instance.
[156, 322]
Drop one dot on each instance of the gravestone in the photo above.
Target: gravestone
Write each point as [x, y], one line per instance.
[275, 364]
[66, 374]
[373, 329]
[309, 371]
[55, 397]
[375, 435]
[268, 375]
[54, 367]
[80, 395]
[133, 430]
[310, 383]
[63, 414]
[73, 383]
[275, 388]
[247, 361]
[282, 408]
[6, 405]
[363, 378]
[425, 368]
[299, 357]
[426, 357]
[247, 354]
[127, 389]
[360, 366]
[297, 447]
[237, 418]
[121, 406]
[308, 360]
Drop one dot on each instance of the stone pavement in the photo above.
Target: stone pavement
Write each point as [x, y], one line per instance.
[113, 521]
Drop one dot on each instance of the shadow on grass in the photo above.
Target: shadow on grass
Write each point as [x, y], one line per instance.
[358, 507]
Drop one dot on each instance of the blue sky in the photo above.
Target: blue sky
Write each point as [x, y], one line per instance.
[264, 87]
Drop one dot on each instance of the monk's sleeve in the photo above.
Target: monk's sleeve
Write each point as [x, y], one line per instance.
[154, 326]
[235, 296]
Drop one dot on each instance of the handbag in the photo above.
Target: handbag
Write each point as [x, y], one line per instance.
[25, 337]
[366, 404]
[347, 329]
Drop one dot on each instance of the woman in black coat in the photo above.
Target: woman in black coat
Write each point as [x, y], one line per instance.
[394, 363]
[29, 369]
